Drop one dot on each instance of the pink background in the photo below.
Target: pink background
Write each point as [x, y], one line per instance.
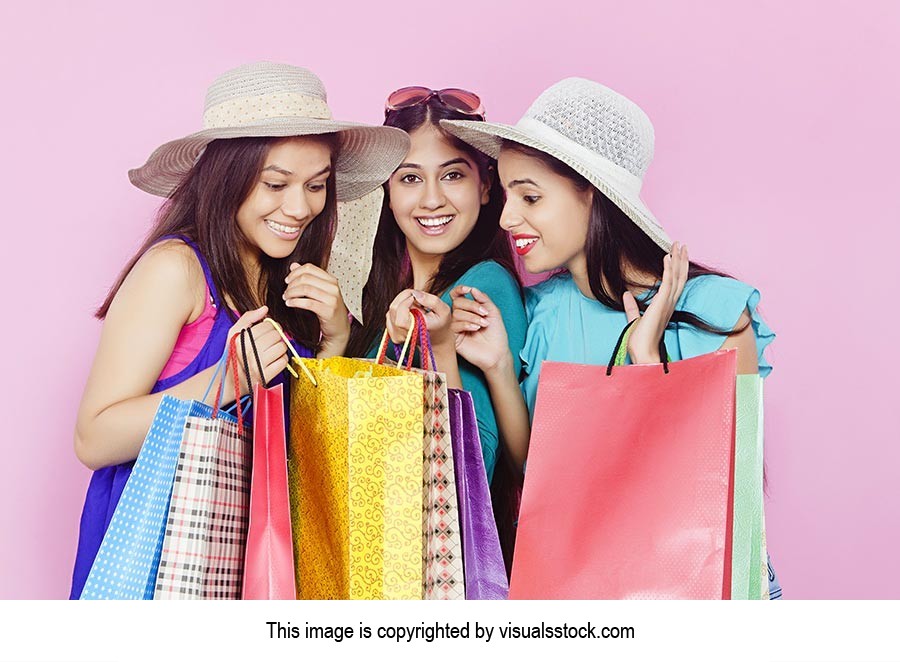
[777, 141]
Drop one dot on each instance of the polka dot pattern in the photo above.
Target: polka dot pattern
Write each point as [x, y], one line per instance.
[351, 250]
[126, 564]
[250, 110]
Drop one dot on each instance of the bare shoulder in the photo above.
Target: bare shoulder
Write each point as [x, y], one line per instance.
[170, 269]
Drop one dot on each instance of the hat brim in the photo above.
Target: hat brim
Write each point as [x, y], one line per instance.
[367, 157]
[488, 137]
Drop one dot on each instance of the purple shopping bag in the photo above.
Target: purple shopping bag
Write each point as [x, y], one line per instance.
[485, 572]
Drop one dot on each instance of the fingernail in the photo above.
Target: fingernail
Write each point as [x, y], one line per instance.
[474, 327]
[482, 310]
[485, 323]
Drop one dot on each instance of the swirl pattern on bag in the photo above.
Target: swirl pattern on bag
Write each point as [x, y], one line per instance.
[353, 439]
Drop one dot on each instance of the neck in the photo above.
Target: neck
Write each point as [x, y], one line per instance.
[424, 266]
[252, 269]
[577, 266]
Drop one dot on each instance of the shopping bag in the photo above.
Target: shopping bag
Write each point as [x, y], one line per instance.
[355, 480]
[747, 539]
[269, 557]
[485, 571]
[442, 557]
[127, 562]
[628, 487]
[206, 529]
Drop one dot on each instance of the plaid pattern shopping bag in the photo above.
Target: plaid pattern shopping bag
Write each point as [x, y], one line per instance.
[206, 531]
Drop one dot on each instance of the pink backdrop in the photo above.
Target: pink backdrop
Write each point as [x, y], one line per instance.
[776, 149]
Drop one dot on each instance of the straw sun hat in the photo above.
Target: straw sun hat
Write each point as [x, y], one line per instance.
[603, 136]
[266, 99]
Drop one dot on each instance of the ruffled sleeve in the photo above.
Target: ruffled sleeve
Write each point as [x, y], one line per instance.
[720, 301]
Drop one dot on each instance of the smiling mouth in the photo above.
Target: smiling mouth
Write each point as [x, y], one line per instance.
[284, 230]
[525, 244]
[434, 222]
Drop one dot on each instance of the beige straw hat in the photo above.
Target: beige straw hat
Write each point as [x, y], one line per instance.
[602, 135]
[266, 99]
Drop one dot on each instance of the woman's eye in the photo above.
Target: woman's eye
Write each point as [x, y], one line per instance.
[453, 176]
[531, 199]
[410, 179]
[315, 188]
[274, 187]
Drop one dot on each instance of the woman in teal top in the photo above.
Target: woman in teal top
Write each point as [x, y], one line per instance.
[559, 314]
[572, 169]
[439, 237]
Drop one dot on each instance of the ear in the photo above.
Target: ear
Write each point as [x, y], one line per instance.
[487, 183]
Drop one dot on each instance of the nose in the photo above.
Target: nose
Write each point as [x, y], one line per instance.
[509, 217]
[295, 204]
[433, 195]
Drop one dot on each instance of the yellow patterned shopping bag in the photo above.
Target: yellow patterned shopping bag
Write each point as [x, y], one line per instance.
[355, 474]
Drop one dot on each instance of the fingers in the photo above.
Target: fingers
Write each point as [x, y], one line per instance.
[472, 320]
[397, 319]
[632, 312]
[682, 266]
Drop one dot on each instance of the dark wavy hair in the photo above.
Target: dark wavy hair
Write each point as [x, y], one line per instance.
[391, 271]
[614, 243]
[204, 209]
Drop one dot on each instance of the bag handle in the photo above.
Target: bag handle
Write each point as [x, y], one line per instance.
[262, 376]
[425, 349]
[295, 357]
[621, 350]
[382, 347]
[232, 361]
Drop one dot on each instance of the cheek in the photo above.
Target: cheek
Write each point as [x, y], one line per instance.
[466, 198]
[402, 202]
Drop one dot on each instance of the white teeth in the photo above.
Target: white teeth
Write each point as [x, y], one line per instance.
[278, 227]
[522, 243]
[434, 222]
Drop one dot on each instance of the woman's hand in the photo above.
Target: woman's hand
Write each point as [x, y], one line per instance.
[480, 333]
[269, 344]
[314, 289]
[437, 318]
[643, 343]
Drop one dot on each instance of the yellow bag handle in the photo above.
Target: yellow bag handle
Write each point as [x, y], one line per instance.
[382, 346]
[295, 357]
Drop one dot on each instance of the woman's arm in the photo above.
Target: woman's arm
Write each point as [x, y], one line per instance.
[745, 343]
[482, 340]
[165, 290]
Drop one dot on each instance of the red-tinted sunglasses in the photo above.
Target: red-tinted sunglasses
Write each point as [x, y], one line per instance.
[463, 101]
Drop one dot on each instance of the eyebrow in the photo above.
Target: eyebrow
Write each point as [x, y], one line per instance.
[517, 182]
[443, 165]
[288, 173]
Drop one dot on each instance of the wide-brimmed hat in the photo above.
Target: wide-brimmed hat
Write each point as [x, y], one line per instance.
[602, 135]
[271, 100]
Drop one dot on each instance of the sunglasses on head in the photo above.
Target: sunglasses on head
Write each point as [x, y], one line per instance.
[463, 101]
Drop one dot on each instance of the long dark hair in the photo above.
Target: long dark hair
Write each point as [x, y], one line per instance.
[204, 209]
[615, 243]
[391, 271]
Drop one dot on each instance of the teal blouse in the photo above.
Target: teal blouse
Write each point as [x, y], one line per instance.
[501, 287]
[566, 326]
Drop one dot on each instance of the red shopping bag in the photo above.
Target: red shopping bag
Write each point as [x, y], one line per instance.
[269, 559]
[628, 484]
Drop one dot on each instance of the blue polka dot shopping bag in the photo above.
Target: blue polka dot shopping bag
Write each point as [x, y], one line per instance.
[127, 563]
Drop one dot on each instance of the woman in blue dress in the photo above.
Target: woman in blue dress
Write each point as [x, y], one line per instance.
[572, 170]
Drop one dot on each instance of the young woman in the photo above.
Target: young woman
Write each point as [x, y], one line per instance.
[572, 170]
[245, 234]
[440, 230]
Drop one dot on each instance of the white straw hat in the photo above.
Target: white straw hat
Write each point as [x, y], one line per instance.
[602, 135]
[266, 99]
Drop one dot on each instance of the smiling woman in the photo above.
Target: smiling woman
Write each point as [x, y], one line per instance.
[439, 231]
[245, 233]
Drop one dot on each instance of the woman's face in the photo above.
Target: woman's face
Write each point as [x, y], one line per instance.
[436, 194]
[545, 213]
[288, 195]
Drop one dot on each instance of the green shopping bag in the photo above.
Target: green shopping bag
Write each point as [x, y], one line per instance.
[748, 530]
